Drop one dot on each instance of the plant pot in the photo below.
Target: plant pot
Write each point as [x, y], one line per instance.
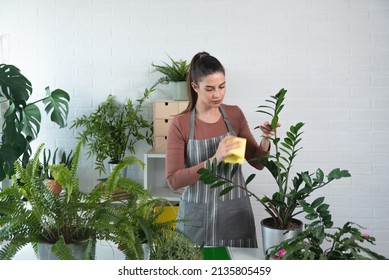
[274, 236]
[179, 91]
[123, 174]
[78, 250]
[54, 186]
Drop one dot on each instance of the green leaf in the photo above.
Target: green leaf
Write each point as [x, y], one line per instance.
[57, 105]
[218, 184]
[13, 84]
[226, 190]
[306, 178]
[319, 176]
[317, 202]
[323, 207]
[261, 111]
[288, 141]
[62, 251]
[274, 122]
[249, 179]
[311, 216]
[31, 119]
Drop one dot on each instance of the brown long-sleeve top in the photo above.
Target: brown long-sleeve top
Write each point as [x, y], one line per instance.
[177, 174]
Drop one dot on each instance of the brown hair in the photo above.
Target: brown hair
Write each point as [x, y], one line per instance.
[202, 64]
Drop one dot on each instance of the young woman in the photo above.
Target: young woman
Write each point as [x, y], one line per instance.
[205, 131]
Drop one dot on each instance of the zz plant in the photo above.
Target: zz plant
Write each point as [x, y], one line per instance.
[291, 194]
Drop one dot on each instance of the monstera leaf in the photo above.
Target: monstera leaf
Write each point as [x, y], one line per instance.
[57, 104]
[22, 120]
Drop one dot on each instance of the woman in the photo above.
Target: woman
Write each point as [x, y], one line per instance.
[205, 131]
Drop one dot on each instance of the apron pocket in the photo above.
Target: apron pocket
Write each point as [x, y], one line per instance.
[193, 220]
[235, 219]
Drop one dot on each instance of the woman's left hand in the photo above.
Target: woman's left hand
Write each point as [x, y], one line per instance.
[267, 131]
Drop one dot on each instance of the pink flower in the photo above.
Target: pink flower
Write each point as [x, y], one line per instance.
[365, 235]
[281, 253]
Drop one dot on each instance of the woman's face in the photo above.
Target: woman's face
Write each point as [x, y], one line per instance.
[211, 90]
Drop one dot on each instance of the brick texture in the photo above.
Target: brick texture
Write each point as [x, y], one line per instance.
[332, 56]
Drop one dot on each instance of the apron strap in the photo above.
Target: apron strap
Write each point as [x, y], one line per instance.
[227, 121]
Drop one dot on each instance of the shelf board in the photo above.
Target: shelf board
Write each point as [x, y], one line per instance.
[165, 192]
[152, 154]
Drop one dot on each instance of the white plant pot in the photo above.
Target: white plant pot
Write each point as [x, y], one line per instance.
[124, 170]
[273, 236]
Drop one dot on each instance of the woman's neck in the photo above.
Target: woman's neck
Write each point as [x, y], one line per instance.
[209, 115]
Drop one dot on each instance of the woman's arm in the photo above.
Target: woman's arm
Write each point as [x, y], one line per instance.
[177, 174]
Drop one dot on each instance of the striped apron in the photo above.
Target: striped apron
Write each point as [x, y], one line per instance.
[208, 218]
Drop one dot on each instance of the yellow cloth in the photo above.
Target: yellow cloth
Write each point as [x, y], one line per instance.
[238, 153]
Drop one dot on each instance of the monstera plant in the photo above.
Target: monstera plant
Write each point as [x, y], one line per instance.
[22, 118]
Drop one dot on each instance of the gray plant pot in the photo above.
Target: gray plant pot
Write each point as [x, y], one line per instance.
[273, 236]
[124, 170]
[179, 91]
[78, 250]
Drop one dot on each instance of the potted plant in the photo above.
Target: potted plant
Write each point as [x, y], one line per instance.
[21, 121]
[30, 213]
[174, 73]
[64, 158]
[172, 244]
[319, 241]
[291, 196]
[113, 128]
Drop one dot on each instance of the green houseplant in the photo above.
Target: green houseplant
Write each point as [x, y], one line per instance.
[62, 158]
[172, 244]
[30, 213]
[321, 242]
[21, 121]
[115, 127]
[291, 196]
[174, 73]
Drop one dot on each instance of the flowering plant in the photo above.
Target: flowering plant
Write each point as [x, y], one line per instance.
[345, 243]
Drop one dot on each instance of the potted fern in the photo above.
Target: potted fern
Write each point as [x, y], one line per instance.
[113, 128]
[57, 225]
[292, 194]
[174, 73]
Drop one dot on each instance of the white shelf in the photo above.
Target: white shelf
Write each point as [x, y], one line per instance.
[155, 178]
[166, 193]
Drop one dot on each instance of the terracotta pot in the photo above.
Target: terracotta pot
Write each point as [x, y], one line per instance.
[54, 186]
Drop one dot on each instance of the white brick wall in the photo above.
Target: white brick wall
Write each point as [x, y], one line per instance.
[332, 56]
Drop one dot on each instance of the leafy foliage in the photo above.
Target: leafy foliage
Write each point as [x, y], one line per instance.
[287, 201]
[115, 127]
[30, 213]
[291, 197]
[343, 243]
[174, 72]
[175, 245]
[22, 119]
[57, 158]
